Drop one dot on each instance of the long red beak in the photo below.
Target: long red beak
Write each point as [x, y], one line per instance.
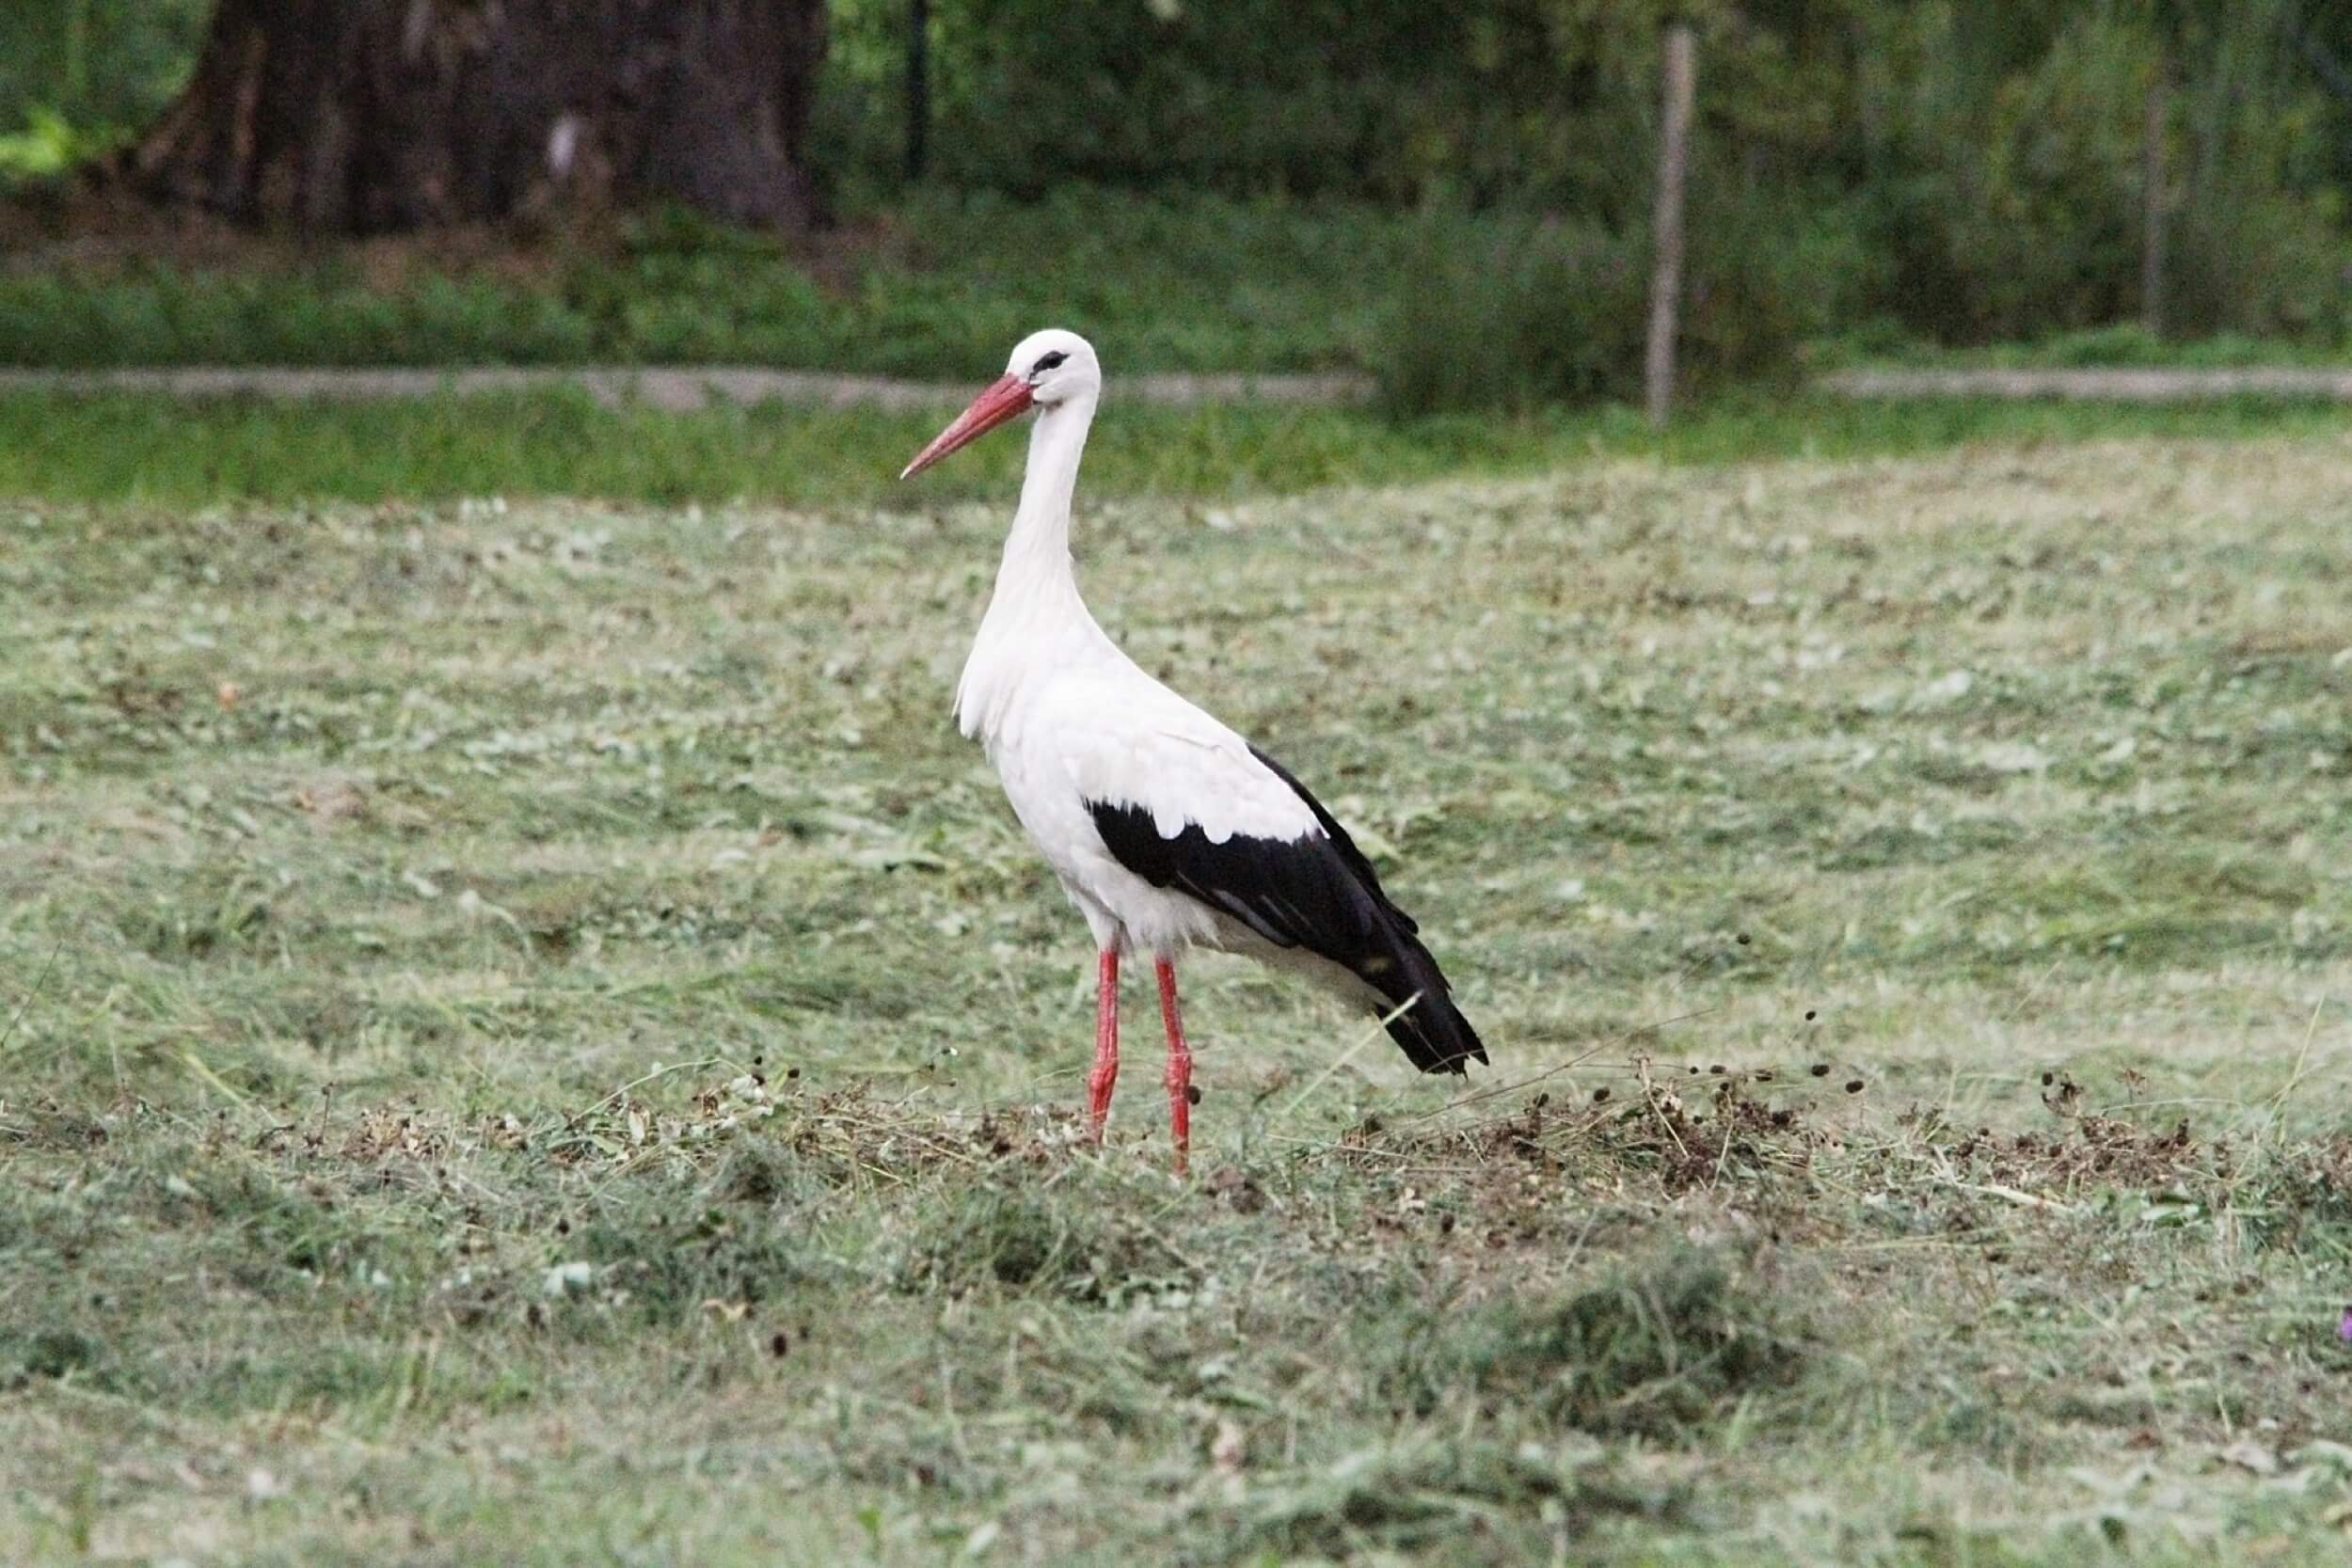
[1007, 398]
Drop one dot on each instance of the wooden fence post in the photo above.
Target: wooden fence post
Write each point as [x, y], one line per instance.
[1674, 160]
[2152, 198]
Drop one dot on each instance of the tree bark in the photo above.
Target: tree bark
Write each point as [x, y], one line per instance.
[918, 85]
[1679, 88]
[377, 116]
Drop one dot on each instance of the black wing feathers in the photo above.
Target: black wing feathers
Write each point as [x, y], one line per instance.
[1318, 893]
[1340, 841]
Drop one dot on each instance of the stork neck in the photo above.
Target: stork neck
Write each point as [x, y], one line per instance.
[1040, 541]
[1035, 619]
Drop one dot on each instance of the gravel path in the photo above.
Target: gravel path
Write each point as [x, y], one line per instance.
[663, 388]
[2103, 385]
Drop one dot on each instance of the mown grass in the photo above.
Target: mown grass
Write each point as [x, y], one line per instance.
[534, 1041]
[154, 450]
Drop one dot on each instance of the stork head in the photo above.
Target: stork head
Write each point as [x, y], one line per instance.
[1047, 369]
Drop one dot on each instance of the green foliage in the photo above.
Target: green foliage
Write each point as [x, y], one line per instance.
[78, 75]
[47, 146]
[1495, 311]
[2050, 237]
[1514, 316]
[1162, 283]
[1272, 185]
[2010, 181]
[1971, 170]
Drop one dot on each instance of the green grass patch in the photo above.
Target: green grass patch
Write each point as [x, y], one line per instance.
[154, 450]
[1667, 1343]
[942, 285]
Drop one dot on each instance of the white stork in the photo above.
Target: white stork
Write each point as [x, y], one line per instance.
[1166, 828]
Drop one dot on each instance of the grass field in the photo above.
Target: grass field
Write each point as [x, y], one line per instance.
[528, 1037]
[157, 450]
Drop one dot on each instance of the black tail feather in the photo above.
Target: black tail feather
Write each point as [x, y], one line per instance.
[1435, 1035]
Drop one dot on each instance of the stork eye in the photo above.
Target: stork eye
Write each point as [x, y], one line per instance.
[1047, 361]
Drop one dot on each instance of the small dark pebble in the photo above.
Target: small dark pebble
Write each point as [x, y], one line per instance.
[2048, 1079]
[1818, 1070]
[1743, 939]
[1717, 1070]
[1810, 1015]
[1192, 1094]
[1694, 1070]
[563, 1227]
[791, 1073]
[1764, 1076]
[779, 1344]
[1601, 1096]
[1853, 1085]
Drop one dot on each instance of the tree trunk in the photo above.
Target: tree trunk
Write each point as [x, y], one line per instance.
[918, 85]
[1679, 89]
[375, 116]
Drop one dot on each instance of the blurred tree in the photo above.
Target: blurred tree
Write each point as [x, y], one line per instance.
[1957, 170]
[96, 64]
[369, 116]
[918, 84]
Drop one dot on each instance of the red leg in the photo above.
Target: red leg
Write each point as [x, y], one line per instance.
[1179, 1068]
[1105, 1071]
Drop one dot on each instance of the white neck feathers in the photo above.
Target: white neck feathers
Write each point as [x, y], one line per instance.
[1036, 620]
